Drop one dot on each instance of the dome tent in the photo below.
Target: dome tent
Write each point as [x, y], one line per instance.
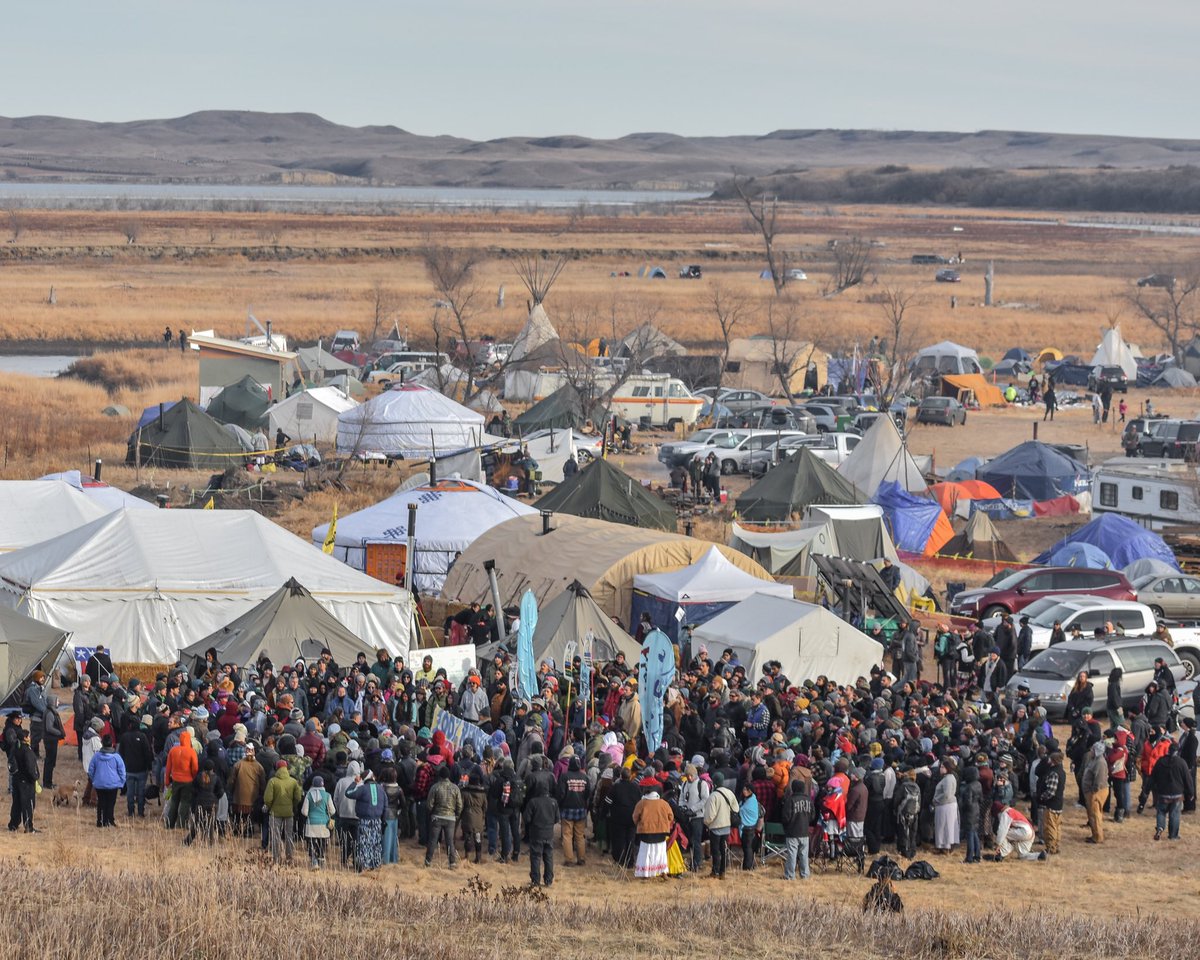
[946, 357]
[409, 421]
[1034, 471]
[1078, 555]
[1120, 539]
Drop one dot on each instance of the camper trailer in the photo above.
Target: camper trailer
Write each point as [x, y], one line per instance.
[657, 400]
[1155, 493]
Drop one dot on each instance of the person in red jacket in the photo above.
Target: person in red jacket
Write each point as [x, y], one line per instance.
[181, 769]
[1154, 750]
[1118, 773]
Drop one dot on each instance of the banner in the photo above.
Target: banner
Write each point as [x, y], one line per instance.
[459, 731]
[331, 536]
[656, 670]
[456, 660]
[527, 685]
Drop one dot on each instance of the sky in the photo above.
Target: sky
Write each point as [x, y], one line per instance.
[490, 69]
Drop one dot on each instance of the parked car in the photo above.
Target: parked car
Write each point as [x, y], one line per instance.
[766, 418]
[739, 401]
[1183, 446]
[1019, 588]
[1088, 613]
[1162, 280]
[1159, 434]
[925, 258]
[733, 451]
[344, 340]
[824, 415]
[796, 274]
[690, 272]
[1049, 675]
[830, 447]
[681, 451]
[866, 420]
[804, 421]
[1176, 597]
[945, 410]
[1113, 376]
[947, 276]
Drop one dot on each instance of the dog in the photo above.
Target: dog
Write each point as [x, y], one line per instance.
[64, 796]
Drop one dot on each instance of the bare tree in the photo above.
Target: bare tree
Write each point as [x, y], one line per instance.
[851, 259]
[16, 223]
[451, 271]
[729, 310]
[785, 326]
[891, 374]
[382, 304]
[1170, 307]
[131, 229]
[538, 274]
[764, 219]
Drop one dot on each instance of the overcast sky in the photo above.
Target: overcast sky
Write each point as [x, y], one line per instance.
[482, 68]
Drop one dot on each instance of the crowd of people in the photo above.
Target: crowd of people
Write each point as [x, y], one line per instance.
[350, 761]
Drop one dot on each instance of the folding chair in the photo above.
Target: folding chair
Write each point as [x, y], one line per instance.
[774, 843]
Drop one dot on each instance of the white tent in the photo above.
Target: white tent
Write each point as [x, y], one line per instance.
[711, 579]
[1113, 352]
[149, 583]
[854, 532]
[946, 358]
[806, 639]
[409, 421]
[311, 415]
[537, 332]
[32, 511]
[451, 514]
[110, 498]
[551, 448]
[881, 455]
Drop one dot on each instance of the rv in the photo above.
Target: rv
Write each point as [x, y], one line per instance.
[657, 400]
[1155, 493]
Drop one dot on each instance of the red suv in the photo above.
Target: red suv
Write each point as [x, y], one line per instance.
[1016, 589]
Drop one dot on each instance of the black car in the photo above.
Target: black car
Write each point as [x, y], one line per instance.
[948, 276]
[1183, 446]
[1155, 441]
[1163, 280]
[1113, 376]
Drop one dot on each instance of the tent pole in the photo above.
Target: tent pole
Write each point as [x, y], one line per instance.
[410, 556]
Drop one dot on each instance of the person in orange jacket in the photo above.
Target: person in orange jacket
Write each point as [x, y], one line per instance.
[1154, 750]
[181, 769]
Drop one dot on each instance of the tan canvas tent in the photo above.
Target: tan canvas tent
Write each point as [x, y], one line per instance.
[979, 541]
[602, 556]
[752, 362]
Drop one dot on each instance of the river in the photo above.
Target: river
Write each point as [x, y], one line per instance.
[35, 365]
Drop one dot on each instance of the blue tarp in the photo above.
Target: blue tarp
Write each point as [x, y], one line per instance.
[910, 518]
[150, 413]
[662, 612]
[1079, 555]
[1121, 539]
[1035, 471]
[1072, 374]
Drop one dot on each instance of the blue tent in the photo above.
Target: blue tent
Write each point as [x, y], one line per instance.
[965, 470]
[1035, 471]
[911, 519]
[1079, 555]
[1120, 538]
[1019, 353]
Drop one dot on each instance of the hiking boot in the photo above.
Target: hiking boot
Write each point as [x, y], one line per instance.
[1157, 834]
[1042, 855]
[1141, 807]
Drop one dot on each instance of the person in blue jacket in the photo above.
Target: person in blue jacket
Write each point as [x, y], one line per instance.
[370, 804]
[107, 773]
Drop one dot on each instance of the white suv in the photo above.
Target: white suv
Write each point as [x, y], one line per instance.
[733, 451]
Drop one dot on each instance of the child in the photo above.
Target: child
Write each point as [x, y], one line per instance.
[1097, 408]
[1122, 409]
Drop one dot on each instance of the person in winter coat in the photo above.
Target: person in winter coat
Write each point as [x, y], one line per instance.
[182, 766]
[53, 733]
[970, 799]
[1153, 750]
[318, 810]
[107, 773]
[281, 800]
[1095, 791]
[1013, 829]
[629, 713]
[506, 794]
[474, 814]
[945, 810]
[797, 814]
[1188, 746]
[574, 796]
[721, 814]
[856, 805]
[1119, 769]
[1052, 782]
[207, 790]
[749, 816]
[445, 806]
[1113, 700]
[135, 749]
[22, 767]
[693, 798]
[906, 802]
[1082, 697]
[652, 822]
[1158, 705]
[1172, 785]
[370, 805]
[540, 816]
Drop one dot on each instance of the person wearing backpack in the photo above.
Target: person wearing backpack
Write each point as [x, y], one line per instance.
[506, 794]
[797, 817]
[720, 813]
[907, 801]
[317, 810]
[693, 797]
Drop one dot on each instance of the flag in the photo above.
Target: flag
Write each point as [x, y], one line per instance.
[331, 536]
[527, 685]
[656, 670]
[209, 505]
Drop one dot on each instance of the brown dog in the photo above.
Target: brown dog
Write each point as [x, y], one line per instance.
[64, 796]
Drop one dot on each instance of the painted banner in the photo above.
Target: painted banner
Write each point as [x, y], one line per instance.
[656, 670]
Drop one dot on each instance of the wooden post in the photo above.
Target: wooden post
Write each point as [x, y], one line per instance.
[989, 279]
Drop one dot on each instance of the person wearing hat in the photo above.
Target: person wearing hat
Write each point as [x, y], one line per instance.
[23, 766]
[92, 738]
[1095, 790]
[54, 731]
[34, 705]
[1024, 642]
[137, 754]
[629, 710]
[317, 809]
[1188, 744]
[281, 800]
[247, 781]
[474, 706]
[180, 770]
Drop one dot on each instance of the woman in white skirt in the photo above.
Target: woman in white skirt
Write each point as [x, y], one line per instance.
[652, 821]
[945, 809]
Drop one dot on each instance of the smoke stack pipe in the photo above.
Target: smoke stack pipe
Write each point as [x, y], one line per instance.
[490, 567]
[410, 555]
[688, 526]
[270, 342]
[160, 415]
[432, 471]
[546, 515]
[96, 469]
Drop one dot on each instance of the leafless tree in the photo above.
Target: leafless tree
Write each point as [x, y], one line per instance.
[16, 223]
[538, 274]
[729, 310]
[764, 219]
[891, 375]
[451, 271]
[851, 259]
[1171, 308]
[131, 229]
[786, 329]
[382, 304]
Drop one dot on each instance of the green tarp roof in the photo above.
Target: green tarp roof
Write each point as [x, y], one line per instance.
[185, 436]
[244, 403]
[563, 408]
[800, 480]
[602, 491]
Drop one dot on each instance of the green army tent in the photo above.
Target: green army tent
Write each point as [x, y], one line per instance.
[243, 403]
[183, 436]
[800, 480]
[603, 491]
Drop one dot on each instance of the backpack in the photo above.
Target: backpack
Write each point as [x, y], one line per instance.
[885, 867]
[516, 794]
[941, 646]
[910, 804]
[920, 870]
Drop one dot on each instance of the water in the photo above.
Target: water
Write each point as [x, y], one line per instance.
[105, 195]
[34, 365]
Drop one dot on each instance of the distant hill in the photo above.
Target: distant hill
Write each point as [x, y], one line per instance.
[234, 146]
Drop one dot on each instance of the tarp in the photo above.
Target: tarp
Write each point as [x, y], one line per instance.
[946, 357]
[806, 639]
[286, 625]
[1078, 555]
[979, 541]
[108, 497]
[563, 408]
[604, 557]
[310, 415]
[1006, 508]
[917, 524]
[1122, 540]
[988, 394]
[151, 412]
[244, 403]
[451, 514]
[32, 511]
[1147, 566]
[1036, 471]
[700, 590]
[184, 437]
[1062, 506]
[965, 469]
[949, 494]
[527, 686]
[785, 490]
[605, 492]
[148, 583]
[881, 456]
[409, 421]
[1113, 352]
[25, 645]
[1175, 378]
[551, 449]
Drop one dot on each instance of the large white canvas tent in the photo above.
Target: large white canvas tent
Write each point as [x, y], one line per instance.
[287, 625]
[25, 645]
[1112, 351]
[147, 584]
[881, 455]
[551, 448]
[946, 358]
[806, 639]
[409, 421]
[451, 514]
[100, 493]
[34, 510]
[310, 416]
[701, 591]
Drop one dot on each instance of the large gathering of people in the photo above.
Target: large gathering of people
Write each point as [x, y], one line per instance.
[348, 762]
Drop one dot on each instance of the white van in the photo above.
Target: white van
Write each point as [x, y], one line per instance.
[658, 399]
